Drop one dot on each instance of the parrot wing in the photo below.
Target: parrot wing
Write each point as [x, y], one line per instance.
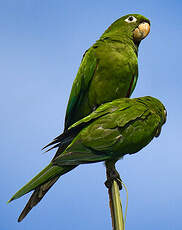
[63, 140]
[80, 85]
[96, 141]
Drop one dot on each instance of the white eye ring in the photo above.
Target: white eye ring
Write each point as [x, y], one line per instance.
[130, 19]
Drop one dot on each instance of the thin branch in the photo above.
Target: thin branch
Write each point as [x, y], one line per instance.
[114, 184]
[116, 207]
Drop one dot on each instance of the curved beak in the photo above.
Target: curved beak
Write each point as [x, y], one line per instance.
[141, 31]
[158, 132]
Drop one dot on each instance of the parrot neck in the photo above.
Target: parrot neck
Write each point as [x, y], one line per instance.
[126, 41]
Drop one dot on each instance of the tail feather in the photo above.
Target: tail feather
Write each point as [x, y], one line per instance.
[37, 196]
[44, 180]
[64, 138]
[41, 183]
[46, 174]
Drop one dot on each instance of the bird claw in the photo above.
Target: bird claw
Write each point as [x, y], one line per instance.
[113, 175]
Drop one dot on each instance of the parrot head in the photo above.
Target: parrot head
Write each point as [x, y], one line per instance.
[129, 27]
[163, 113]
[158, 108]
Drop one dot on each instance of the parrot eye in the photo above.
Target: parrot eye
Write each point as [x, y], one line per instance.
[130, 19]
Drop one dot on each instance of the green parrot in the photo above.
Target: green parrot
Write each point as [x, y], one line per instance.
[109, 69]
[123, 126]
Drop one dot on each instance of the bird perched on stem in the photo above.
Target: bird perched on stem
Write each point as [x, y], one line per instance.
[109, 69]
[123, 126]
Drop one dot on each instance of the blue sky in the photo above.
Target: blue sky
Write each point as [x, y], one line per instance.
[41, 46]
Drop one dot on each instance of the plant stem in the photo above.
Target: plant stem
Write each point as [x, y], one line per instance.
[116, 207]
[114, 195]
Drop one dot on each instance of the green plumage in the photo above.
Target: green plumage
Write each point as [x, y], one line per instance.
[108, 71]
[123, 126]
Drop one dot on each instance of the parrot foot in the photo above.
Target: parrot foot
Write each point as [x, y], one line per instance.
[112, 174]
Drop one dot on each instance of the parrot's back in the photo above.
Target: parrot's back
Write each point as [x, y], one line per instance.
[109, 70]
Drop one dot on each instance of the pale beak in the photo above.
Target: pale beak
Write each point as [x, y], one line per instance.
[141, 31]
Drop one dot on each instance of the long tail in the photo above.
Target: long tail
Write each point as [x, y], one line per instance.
[41, 183]
[36, 197]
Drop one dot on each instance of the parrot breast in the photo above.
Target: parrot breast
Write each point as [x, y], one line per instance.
[115, 76]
